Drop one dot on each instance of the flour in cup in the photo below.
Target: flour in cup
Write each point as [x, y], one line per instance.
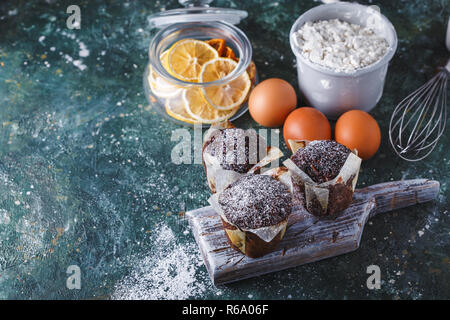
[339, 45]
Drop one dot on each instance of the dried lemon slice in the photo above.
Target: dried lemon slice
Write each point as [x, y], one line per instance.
[226, 96]
[198, 108]
[159, 86]
[177, 110]
[163, 57]
[186, 58]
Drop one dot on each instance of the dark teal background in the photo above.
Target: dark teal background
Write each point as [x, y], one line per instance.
[86, 177]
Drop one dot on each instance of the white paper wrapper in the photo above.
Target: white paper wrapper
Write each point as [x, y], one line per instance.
[320, 191]
[219, 178]
[282, 174]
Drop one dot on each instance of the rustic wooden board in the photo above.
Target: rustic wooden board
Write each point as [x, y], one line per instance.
[308, 238]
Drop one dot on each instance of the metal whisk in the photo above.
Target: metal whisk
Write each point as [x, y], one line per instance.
[419, 120]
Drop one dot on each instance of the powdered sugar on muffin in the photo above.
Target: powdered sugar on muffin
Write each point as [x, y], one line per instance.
[256, 201]
[321, 160]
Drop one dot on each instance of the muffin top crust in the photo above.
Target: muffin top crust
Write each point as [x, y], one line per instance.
[254, 201]
[321, 160]
[237, 149]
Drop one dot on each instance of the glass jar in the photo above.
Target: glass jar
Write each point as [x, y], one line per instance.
[181, 100]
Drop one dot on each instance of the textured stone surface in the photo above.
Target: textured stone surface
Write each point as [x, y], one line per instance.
[86, 177]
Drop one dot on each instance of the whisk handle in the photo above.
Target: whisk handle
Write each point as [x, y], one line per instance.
[447, 40]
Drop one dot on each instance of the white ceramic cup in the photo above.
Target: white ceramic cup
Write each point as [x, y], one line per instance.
[332, 92]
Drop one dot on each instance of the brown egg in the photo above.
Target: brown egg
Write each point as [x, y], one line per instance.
[306, 123]
[358, 130]
[271, 101]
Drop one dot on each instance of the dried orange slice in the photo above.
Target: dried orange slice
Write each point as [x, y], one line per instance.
[229, 53]
[164, 60]
[159, 86]
[163, 89]
[226, 96]
[177, 110]
[218, 44]
[251, 70]
[186, 58]
[198, 108]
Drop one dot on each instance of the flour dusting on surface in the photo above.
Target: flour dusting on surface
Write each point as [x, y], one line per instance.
[84, 52]
[169, 271]
[5, 217]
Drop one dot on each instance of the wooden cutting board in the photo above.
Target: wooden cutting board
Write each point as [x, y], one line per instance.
[308, 238]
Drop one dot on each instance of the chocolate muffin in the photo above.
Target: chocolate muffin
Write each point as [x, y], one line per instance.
[322, 161]
[251, 205]
[232, 149]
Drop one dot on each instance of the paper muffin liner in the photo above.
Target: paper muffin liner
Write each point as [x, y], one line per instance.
[320, 192]
[265, 233]
[219, 178]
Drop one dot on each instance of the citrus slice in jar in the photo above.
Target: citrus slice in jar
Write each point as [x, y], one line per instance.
[218, 44]
[163, 58]
[163, 89]
[159, 86]
[198, 108]
[225, 96]
[229, 53]
[176, 109]
[186, 58]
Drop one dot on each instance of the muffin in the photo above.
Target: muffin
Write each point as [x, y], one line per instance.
[229, 152]
[254, 211]
[324, 175]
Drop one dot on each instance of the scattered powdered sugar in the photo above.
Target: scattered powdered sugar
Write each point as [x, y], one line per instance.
[5, 217]
[77, 63]
[171, 271]
[84, 52]
[339, 45]
[256, 201]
